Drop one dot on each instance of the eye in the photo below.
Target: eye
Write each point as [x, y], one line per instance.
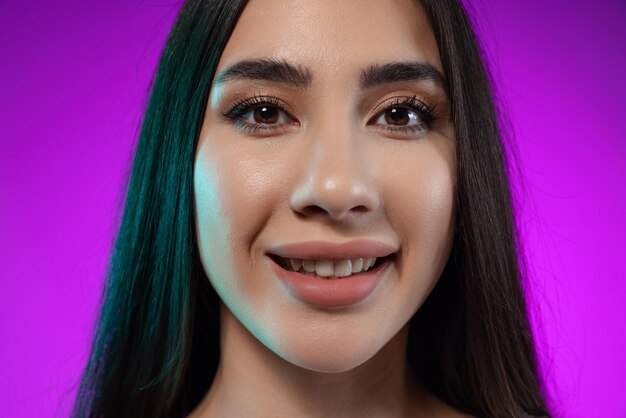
[260, 115]
[399, 116]
[267, 114]
[405, 116]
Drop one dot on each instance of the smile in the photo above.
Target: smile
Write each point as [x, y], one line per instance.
[330, 274]
[330, 291]
[329, 269]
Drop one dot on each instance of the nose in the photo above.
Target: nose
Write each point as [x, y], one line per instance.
[335, 180]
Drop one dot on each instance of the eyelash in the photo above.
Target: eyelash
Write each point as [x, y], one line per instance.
[426, 113]
[241, 107]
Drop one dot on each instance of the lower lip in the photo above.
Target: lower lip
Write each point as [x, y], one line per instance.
[331, 293]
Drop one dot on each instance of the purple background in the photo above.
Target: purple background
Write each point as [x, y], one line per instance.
[74, 79]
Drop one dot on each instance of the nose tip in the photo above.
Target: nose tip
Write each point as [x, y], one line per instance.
[336, 189]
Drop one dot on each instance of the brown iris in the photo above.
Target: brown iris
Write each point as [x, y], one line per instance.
[397, 116]
[265, 114]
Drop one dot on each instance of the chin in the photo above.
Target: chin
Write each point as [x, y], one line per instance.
[337, 357]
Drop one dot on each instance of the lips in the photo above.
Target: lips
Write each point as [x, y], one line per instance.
[319, 250]
[330, 289]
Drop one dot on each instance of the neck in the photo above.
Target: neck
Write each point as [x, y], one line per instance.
[253, 381]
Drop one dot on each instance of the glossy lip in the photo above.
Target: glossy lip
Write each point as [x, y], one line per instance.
[320, 250]
[330, 293]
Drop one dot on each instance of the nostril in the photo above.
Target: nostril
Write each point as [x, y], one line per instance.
[360, 208]
[338, 214]
[313, 210]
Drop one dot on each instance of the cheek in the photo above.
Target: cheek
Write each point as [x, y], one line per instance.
[234, 196]
[435, 203]
[421, 207]
[230, 188]
[420, 192]
[214, 226]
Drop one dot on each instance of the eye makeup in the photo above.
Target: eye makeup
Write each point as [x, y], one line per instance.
[267, 115]
[405, 109]
[241, 107]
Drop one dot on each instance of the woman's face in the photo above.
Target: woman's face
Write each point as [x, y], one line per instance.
[326, 139]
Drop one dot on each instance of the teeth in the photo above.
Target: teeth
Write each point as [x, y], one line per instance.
[357, 265]
[330, 268]
[308, 265]
[295, 264]
[343, 268]
[367, 263]
[324, 268]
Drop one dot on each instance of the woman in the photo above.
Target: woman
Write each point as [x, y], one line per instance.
[318, 223]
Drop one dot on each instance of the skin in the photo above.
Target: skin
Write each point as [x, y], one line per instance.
[331, 173]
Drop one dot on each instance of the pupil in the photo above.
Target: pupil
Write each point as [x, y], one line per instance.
[265, 114]
[397, 116]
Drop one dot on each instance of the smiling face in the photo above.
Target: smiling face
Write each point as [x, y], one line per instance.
[326, 139]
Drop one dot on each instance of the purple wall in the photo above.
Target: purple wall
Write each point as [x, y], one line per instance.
[74, 81]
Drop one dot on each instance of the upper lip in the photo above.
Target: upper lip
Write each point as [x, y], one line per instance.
[320, 250]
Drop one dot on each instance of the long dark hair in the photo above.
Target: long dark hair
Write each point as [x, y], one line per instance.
[156, 345]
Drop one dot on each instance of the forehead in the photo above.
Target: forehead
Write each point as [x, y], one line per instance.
[333, 37]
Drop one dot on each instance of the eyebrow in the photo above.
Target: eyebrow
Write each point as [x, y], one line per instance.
[401, 71]
[277, 71]
[280, 71]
